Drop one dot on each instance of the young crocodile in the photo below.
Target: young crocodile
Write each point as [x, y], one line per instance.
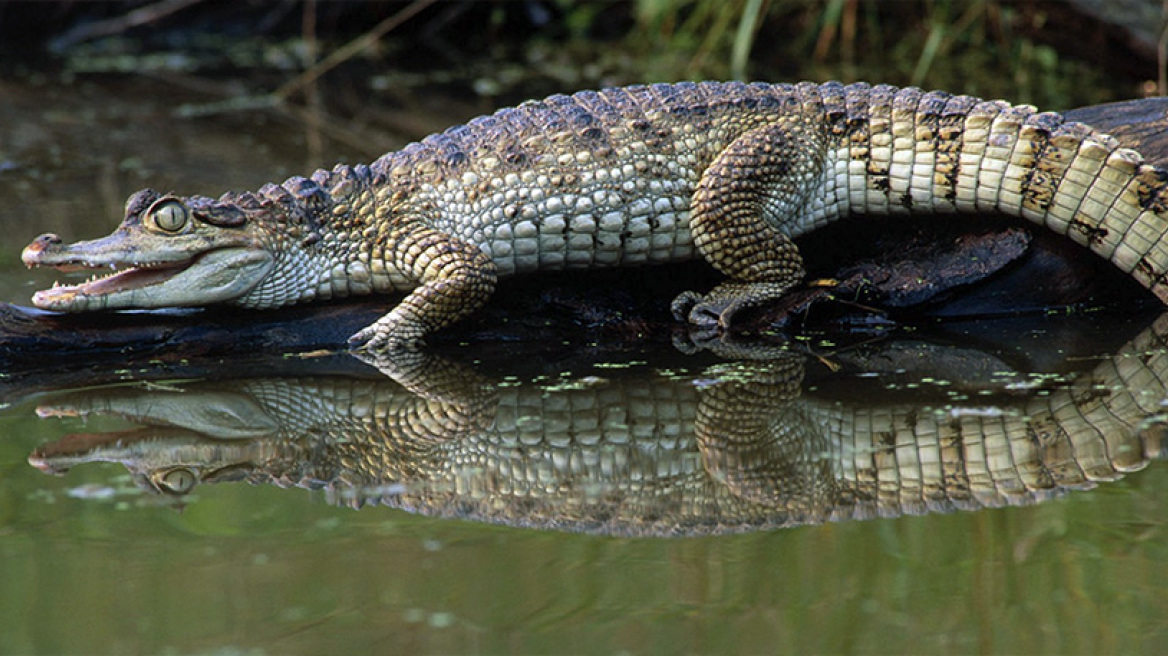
[619, 177]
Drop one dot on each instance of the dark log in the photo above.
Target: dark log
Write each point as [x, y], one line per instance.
[1138, 124]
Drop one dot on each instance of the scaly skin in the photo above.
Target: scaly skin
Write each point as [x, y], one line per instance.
[726, 171]
[649, 455]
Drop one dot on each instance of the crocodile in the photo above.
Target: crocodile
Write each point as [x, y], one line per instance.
[725, 171]
[736, 447]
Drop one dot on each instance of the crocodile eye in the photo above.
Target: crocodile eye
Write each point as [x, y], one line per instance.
[169, 215]
[176, 481]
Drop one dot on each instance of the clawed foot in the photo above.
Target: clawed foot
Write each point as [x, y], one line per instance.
[708, 322]
[709, 312]
[721, 310]
[385, 338]
[715, 321]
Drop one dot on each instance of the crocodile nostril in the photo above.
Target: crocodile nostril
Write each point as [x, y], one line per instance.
[33, 251]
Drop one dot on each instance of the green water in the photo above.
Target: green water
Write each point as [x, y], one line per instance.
[246, 569]
[92, 564]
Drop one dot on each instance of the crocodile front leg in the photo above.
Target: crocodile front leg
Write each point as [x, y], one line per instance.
[455, 279]
[761, 179]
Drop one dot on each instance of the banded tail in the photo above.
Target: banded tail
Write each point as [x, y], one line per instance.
[936, 152]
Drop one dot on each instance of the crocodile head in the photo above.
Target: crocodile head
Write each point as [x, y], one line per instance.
[169, 251]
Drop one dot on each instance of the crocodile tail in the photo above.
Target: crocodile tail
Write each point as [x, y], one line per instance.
[906, 151]
[1123, 213]
[1080, 183]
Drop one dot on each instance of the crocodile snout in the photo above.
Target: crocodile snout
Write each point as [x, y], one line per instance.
[32, 253]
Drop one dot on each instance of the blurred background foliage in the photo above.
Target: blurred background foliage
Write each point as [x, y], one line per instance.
[1054, 54]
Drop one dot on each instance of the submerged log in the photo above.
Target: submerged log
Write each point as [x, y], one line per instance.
[940, 268]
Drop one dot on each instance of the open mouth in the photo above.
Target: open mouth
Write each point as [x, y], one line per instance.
[183, 275]
[135, 276]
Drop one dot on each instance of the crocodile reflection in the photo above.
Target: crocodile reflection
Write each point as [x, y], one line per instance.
[738, 448]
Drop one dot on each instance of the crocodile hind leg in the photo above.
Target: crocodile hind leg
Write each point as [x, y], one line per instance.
[455, 278]
[761, 179]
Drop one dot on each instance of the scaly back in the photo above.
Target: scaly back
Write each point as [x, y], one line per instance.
[620, 165]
